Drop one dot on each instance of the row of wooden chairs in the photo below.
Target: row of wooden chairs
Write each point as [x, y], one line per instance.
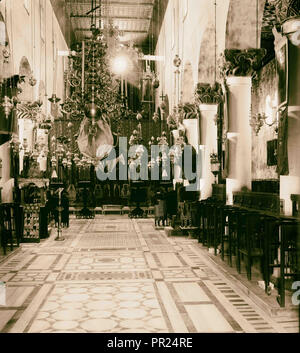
[10, 226]
[243, 236]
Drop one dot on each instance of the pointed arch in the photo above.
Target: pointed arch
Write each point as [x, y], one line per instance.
[244, 23]
[24, 67]
[25, 72]
[206, 65]
[188, 84]
[5, 53]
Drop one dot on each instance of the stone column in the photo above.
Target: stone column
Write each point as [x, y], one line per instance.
[209, 140]
[239, 135]
[6, 183]
[208, 98]
[288, 16]
[239, 67]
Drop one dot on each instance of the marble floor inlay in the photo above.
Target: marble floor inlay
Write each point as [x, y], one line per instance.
[113, 274]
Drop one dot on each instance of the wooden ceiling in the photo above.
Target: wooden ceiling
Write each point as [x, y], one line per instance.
[131, 17]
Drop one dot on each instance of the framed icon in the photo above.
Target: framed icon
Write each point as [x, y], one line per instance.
[272, 152]
[281, 50]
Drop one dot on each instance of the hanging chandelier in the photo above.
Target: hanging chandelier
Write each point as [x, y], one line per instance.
[93, 91]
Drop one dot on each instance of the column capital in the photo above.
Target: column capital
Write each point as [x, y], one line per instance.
[286, 10]
[238, 81]
[208, 94]
[208, 108]
[238, 62]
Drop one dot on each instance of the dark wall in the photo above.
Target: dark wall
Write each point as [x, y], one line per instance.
[159, 9]
[264, 85]
[59, 7]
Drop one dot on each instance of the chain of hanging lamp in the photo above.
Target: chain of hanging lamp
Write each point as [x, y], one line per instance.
[92, 90]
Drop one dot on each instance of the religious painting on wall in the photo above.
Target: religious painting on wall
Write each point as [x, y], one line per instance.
[281, 50]
[282, 70]
[272, 152]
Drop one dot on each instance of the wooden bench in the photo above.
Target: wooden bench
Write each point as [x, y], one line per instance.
[112, 209]
[277, 236]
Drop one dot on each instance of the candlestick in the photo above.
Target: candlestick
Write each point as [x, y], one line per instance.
[82, 68]
[122, 90]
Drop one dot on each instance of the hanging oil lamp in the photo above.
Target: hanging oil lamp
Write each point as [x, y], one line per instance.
[32, 81]
[7, 106]
[155, 83]
[6, 55]
[155, 117]
[177, 61]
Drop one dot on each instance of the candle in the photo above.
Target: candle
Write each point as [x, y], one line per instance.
[82, 68]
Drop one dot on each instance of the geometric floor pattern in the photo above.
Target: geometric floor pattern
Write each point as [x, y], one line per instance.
[113, 274]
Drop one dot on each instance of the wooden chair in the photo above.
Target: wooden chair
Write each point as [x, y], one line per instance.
[218, 226]
[234, 222]
[249, 240]
[6, 227]
[226, 209]
[204, 222]
[289, 271]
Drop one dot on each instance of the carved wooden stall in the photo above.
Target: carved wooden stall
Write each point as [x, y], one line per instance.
[34, 213]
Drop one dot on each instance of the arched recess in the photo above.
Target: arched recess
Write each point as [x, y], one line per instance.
[25, 72]
[5, 57]
[213, 42]
[244, 23]
[41, 91]
[206, 65]
[188, 84]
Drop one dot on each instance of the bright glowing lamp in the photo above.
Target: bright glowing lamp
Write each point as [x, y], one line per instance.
[120, 65]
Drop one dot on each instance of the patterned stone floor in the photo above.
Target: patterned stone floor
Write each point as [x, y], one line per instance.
[114, 274]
